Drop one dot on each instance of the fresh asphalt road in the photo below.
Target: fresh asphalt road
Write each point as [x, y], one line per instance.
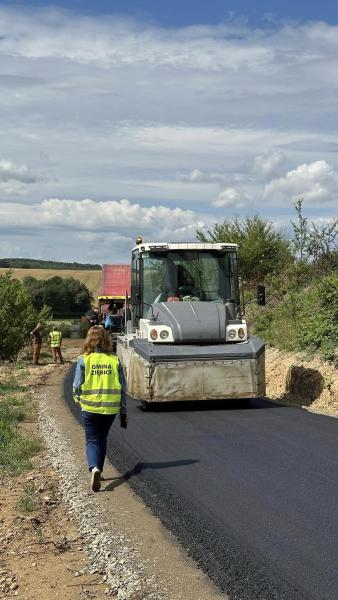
[250, 493]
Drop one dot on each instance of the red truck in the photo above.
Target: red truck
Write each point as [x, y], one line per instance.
[114, 287]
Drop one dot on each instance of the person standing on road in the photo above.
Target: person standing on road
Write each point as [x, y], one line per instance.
[108, 322]
[99, 386]
[55, 344]
[36, 336]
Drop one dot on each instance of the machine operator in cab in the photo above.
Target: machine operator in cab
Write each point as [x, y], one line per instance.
[99, 386]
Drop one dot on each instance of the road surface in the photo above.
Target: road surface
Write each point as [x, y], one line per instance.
[251, 493]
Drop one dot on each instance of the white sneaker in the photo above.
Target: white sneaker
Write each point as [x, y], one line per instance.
[96, 476]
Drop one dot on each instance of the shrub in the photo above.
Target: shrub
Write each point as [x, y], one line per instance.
[66, 329]
[303, 317]
[320, 328]
[17, 316]
[84, 328]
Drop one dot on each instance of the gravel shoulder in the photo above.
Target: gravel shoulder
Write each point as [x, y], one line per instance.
[42, 552]
[139, 557]
[73, 544]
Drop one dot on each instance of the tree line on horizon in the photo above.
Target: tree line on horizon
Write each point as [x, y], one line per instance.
[64, 296]
[33, 263]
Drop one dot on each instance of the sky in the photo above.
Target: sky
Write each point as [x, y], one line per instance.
[152, 118]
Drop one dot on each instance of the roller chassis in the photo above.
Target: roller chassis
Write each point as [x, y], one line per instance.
[159, 374]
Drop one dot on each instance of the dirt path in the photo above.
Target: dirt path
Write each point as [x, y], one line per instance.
[149, 551]
[42, 552]
[75, 544]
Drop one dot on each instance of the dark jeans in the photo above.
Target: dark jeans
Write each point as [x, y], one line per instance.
[96, 431]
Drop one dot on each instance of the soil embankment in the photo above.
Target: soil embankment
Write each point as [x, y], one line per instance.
[303, 381]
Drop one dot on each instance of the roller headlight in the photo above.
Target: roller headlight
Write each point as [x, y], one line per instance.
[160, 334]
[232, 333]
[241, 333]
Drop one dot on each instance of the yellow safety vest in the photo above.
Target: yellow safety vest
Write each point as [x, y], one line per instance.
[101, 390]
[55, 338]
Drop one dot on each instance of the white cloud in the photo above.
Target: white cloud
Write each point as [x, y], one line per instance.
[110, 108]
[317, 181]
[122, 218]
[269, 166]
[197, 176]
[115, 41]
[11, 172]
[231, 198]
[15, 179]
[89, 230]
[13, 188]
[202, 139]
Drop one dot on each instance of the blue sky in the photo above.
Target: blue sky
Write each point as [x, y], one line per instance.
[180, 13]
[161, 118]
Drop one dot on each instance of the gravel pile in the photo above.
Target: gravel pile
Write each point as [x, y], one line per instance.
[109, 551]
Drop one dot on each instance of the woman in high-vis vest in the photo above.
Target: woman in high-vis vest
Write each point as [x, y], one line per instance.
[99, 387]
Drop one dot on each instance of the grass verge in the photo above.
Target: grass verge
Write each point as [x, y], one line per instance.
[27, 502]
[16, 448]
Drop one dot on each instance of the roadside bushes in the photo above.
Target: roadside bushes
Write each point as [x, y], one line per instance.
[66, 329]
[302, 315]
[321, 329]
[17, 316]
[300, 271]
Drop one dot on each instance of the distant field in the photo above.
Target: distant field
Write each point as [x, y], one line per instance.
[90, 278]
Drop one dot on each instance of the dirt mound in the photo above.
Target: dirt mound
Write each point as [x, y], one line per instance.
[298, 379]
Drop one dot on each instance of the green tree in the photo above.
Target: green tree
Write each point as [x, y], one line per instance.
[262, 249]
[17, 316]
[316, 244]
[35, 288]
[55, 295]
[80, 297]
[66, 296]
